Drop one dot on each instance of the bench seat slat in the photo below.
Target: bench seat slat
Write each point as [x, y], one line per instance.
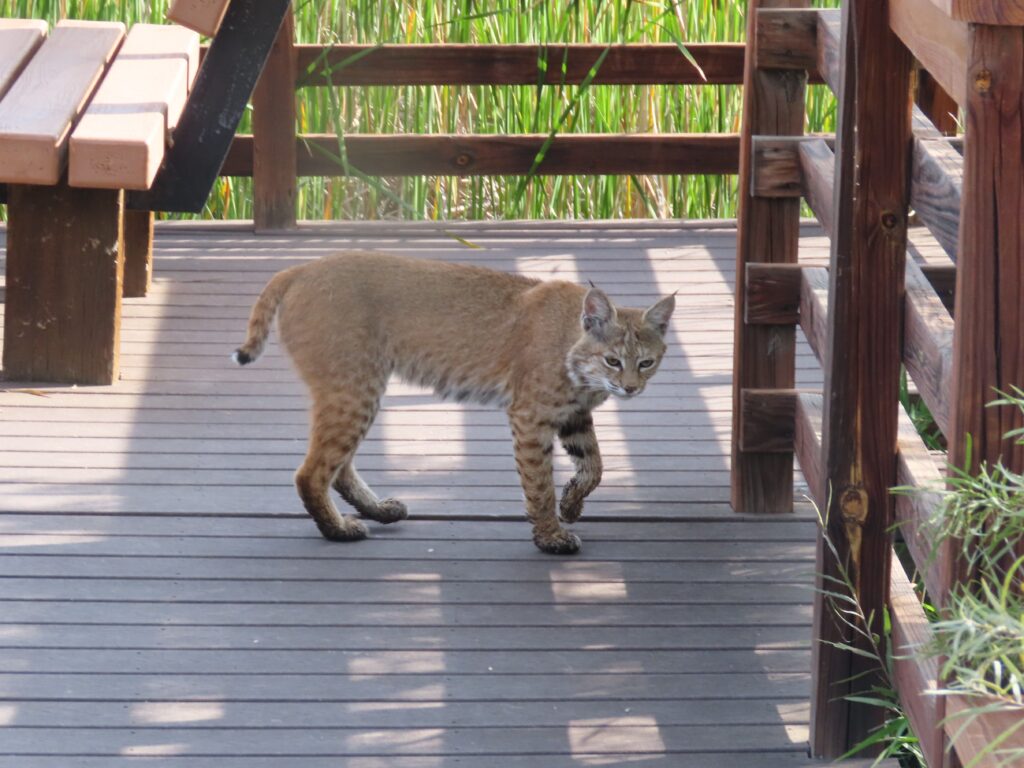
[39, 110]
[119, 142]
[19, 39]
[203, 16]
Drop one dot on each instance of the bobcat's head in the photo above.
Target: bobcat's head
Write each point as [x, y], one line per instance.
[619, 349]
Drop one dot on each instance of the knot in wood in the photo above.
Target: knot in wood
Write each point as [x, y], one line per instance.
[463, 159]
[983, 81]
[853, 505]
[889, 220]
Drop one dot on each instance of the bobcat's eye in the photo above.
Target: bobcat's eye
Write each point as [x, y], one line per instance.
[613, 362]
[645, 364]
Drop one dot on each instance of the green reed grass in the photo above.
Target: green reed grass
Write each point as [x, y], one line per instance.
[495, 109]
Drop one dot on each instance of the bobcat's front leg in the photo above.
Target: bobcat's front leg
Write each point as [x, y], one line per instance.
[578, 438]
[533, 441]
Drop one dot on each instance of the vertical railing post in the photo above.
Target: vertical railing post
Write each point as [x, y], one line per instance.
[768, 231]
[275, 185]
[988, 344]
[861, 362]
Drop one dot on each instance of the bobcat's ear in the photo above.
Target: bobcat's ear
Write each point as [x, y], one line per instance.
[659, 314]
[597, 311]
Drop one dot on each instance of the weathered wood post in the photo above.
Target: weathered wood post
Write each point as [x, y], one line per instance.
[275, 184]
[768, 232]
[861, 361]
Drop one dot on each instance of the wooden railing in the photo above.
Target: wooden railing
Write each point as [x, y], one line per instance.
[874, 308]
[273, 155]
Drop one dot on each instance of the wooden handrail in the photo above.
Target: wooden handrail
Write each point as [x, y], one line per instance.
[522, 64]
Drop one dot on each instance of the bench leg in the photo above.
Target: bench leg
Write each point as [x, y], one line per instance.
[138, 253]
[65, 264]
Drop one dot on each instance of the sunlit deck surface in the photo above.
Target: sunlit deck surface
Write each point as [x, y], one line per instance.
[163, 594]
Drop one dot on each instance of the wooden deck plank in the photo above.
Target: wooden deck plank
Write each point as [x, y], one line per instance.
[399, 688]
[162, 589]
[349, 715]
[387, 662]
[622, 735]
[794, 759]
[347, 566]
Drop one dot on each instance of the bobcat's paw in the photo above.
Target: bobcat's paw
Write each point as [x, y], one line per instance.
[349, 529]
[389, 511]
[570, 511]
[561, 543]
[570, 506]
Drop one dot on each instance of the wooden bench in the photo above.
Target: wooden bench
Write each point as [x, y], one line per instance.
[86, 117]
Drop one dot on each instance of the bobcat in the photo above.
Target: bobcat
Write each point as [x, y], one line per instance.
[548, 352]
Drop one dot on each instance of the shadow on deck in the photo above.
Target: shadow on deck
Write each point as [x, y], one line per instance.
[163, 595]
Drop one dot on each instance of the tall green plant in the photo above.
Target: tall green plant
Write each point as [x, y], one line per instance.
[495, 109]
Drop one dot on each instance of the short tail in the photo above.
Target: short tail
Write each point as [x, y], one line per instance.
[262, 316]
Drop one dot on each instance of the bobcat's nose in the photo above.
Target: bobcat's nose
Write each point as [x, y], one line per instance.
[630, 389]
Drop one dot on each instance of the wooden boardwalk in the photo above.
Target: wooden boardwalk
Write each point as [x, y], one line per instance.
[162, 595]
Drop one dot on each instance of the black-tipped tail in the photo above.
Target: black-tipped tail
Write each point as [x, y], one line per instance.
[241, 357]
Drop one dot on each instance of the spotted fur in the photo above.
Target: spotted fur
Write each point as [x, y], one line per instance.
[547, 352]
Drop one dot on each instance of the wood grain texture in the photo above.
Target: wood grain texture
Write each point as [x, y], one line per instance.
[936, 190]
[938, 106]
[936, 40]
[917, 469]
[119, 141]
[62, 307]
[814, 293]
[807, 444]
[204, 16]
[817, 170]
[469, 64]
[19, 40]
[773, 104]
[988, 346]
[928, 345]
[40, 109]
[275, 184]
[482, 155]
[138, 253]
[773, 294]
[915, 675]
[776, 171]
[862, 358]
[786, 39]
[767, 420]
[1008, 12]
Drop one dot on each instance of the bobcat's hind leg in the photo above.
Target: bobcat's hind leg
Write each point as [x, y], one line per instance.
[578, 438]
[357, 493]
[335, 435]
[533, 440]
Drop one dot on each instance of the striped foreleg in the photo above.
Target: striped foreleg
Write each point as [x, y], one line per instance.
[579, 441]
[533, 441]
